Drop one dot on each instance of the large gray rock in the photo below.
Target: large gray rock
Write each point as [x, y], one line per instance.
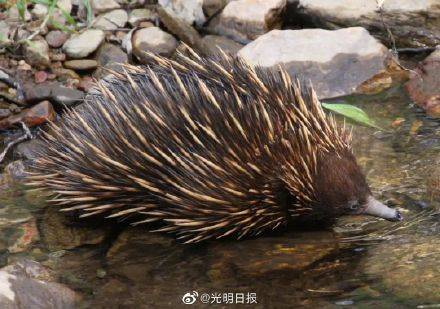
[336, 62]
[188, 10]
[82, 45]
[245, 20]
[413, 23]
[155, 40]
[26, 284]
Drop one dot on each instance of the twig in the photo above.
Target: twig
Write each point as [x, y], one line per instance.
[27, 135]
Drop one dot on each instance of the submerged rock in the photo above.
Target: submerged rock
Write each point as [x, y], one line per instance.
[413, 23]
[27, 284]
[408, 268]
[245, 20]
[424, 85]
[337, 62]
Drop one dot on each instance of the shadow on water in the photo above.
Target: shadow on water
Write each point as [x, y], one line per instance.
[361, 261]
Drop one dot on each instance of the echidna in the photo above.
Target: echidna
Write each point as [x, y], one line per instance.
[207, 147]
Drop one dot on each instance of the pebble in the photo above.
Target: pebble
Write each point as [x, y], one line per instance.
[40, 77]
[100, 6]
[155, 40]
[111, 20]
[56, 38]
[82, 45]
[37, 53]
[34, 116]
[81, 64]
[139, 15]
[190, 11]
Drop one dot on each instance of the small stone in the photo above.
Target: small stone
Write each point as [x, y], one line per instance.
[4, 113]
[37, 53]
[245, 20]
[111, 20]
[101, 273]
[14, 15]
[108, 53]
[65, 74]
[189, 11]
[81, 64]
[28, 149]
[86, 83]
[138, 15]
[58, 57]
[82, 45]
[100, 6]
[56, 38]
[23, 66]
[40, 77]
[34, 116]
[154, 40]
[39, 11]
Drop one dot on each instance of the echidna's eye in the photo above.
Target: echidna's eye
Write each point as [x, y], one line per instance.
[353, 205]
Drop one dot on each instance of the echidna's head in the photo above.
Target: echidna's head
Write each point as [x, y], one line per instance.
[341, 189]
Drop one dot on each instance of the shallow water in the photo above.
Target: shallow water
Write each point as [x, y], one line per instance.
[361, 262]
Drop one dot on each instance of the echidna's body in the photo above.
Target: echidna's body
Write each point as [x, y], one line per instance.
[208, 147]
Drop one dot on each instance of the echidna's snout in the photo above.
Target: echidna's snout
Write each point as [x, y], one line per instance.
[377, 209]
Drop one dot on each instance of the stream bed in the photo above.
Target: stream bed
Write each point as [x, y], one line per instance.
[360, 262]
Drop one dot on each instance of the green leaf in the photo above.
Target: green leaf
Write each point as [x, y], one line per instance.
[351, 112]
[89, 11]
[45, 2]
[67, 16]
[21, 7]
[60, 26]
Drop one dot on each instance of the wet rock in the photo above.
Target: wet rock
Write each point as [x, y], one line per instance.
[59, 231]
[100, 6]
[111, 20]
[82, 45]
[53, 91]
[26, 235]
[269, 255]
[65, 96]
[37, 53]
[336, 62]
[407, 268]
[154, 40]
[211, 7]
[413, 23]
[27, 284]
[213, 42]
[34, 116]
[56, 38]
[189, 11]
[424, 85]
[138, 15]
[245, 20]
[28, 150]
[81, 64]
[133, 248]
[181, 29]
